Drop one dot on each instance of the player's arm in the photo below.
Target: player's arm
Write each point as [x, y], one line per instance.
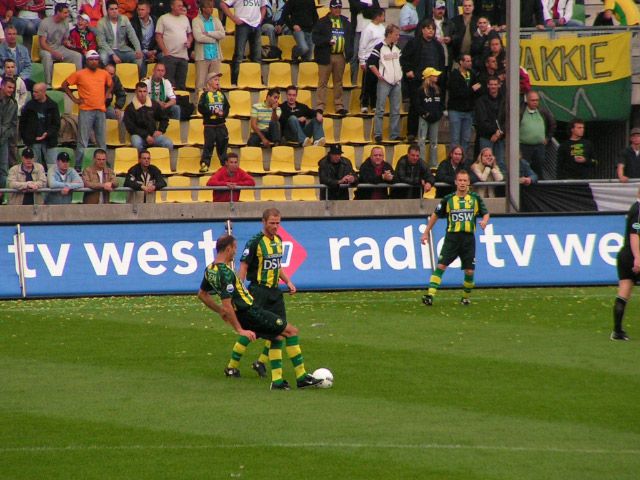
[231, 319]
[485, 220]
[432, 221]
[208, 301]
[242, 272]
[285, 278]
[635, 249]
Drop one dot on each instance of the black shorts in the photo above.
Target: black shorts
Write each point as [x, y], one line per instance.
[625, 265]
[459, 244]
[264, 323]
[270, 299]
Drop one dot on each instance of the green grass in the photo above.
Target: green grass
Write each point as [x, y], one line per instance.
[524, 384]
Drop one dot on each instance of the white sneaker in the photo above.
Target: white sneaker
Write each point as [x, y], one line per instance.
[307, 142]
[320, 142]
[364, 110]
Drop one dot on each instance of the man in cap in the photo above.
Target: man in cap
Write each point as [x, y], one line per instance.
[65, 178]
[28, 177]
[214, 108]
[94, 86]
[629, 158]
[333, 41]
[81, 37]
[335, 170]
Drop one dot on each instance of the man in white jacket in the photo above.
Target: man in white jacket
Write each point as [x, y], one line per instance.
[371, 36]
[559, 13]
[384, 63]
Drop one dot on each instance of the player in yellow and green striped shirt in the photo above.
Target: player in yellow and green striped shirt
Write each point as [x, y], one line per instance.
[461, 209]
[250, 321]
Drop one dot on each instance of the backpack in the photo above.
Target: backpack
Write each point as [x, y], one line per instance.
[68, 128]
[271, 52]
[186, 107]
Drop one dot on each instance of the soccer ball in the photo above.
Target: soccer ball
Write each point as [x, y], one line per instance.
[326, 376]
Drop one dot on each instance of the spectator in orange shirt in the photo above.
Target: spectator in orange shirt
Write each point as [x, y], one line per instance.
[128, 7]
[232, 176]
[92, 95]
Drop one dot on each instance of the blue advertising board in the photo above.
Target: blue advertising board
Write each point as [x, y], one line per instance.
[103, 259]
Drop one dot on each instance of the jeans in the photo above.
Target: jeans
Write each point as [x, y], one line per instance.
[354, 62]
[68, 56]
[126, 57]
[272, 134]
[394, 92]
[431, 129]
[244, 34]
[498, 152]
[304, 47]
[177, 69]
[19, 23]
[534, 154]
[4, 163]
[44, 154]
[299, 131]
[174, 112]
[140, 143]
[31, 26]
[460, 124]
[88, 121]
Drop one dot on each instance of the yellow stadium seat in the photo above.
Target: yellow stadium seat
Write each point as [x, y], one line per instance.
[174, 132]
[35, 48]
[349, 152]
[352, 130]
[399, 151]
[366, 151]
[286, 44]
[227, 44]
[240, 104]
[251, 160]
[282, 160]
[196, 132]
[234, 127]
[329, 132]
[179, 196]
[161, 158]
[128, 75]
[225, 79]
[323, 12]
[150, 67]
[354, 102]
[190, 83]
[431, 194]
[250, 76]
[442, 152]
[279, 75]
[310, 158]
[399, 3]
[61, 71]
[307, 75]
[304, 96]
[247, 195]
[229, 26]
[265, 40]
[126, 157]
[308, 194]
[113, 133]
[189, 161]
[273, 195]
[204, 195]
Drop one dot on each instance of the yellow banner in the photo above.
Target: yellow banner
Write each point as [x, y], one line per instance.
[577, 61]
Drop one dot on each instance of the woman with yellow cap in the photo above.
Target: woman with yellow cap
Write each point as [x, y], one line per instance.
[430, 110]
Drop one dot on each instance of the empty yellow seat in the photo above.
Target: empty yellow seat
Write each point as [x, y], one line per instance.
[128, 75]
[352, 130]
[174, 132]
[179, 196]
[307, 194]
[279, 75]
[286, 44]
[282, 160]
[61, 72]
[240, 103]
[307, 75]
[126, 157]
[204, 195]
[196, 132]
[251, 160]
[113, 133]
[273, 195]
[190, 83]
[161, 158]
[189, 161]
[310, 158]
[250, 76]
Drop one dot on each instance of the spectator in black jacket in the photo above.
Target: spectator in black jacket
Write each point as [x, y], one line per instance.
[335, 170]
[115, 109]
[464, 25]
[480, 41]
[420, 52]
[531, 14]
[333, 49]
[145, 179]
[629, 158]
[40, 125]
[413, 170]
[576, 155]
[448, 169]
[301, 17]
[462, 89]
[375, 170]
[494, 10]
[299, 122]
[144, 24]
[146, 121]
[489, 115]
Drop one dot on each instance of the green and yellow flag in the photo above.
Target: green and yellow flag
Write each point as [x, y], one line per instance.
[587, 77]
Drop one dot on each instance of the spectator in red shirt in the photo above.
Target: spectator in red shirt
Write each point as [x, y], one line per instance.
[82, 39]
[230, 176]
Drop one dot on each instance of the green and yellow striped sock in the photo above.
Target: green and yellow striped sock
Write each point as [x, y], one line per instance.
[434, 283]
[275, 359]
[295, 354]
[467, 285]
[237, 352]
[264, 356]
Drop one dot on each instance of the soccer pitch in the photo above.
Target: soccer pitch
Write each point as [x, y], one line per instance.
[523, 384]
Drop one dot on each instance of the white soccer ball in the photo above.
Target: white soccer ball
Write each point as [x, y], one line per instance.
[326, 376]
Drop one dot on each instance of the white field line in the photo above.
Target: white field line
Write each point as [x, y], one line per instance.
[323, 445]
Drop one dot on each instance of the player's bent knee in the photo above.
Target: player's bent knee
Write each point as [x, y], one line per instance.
[290, 331]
